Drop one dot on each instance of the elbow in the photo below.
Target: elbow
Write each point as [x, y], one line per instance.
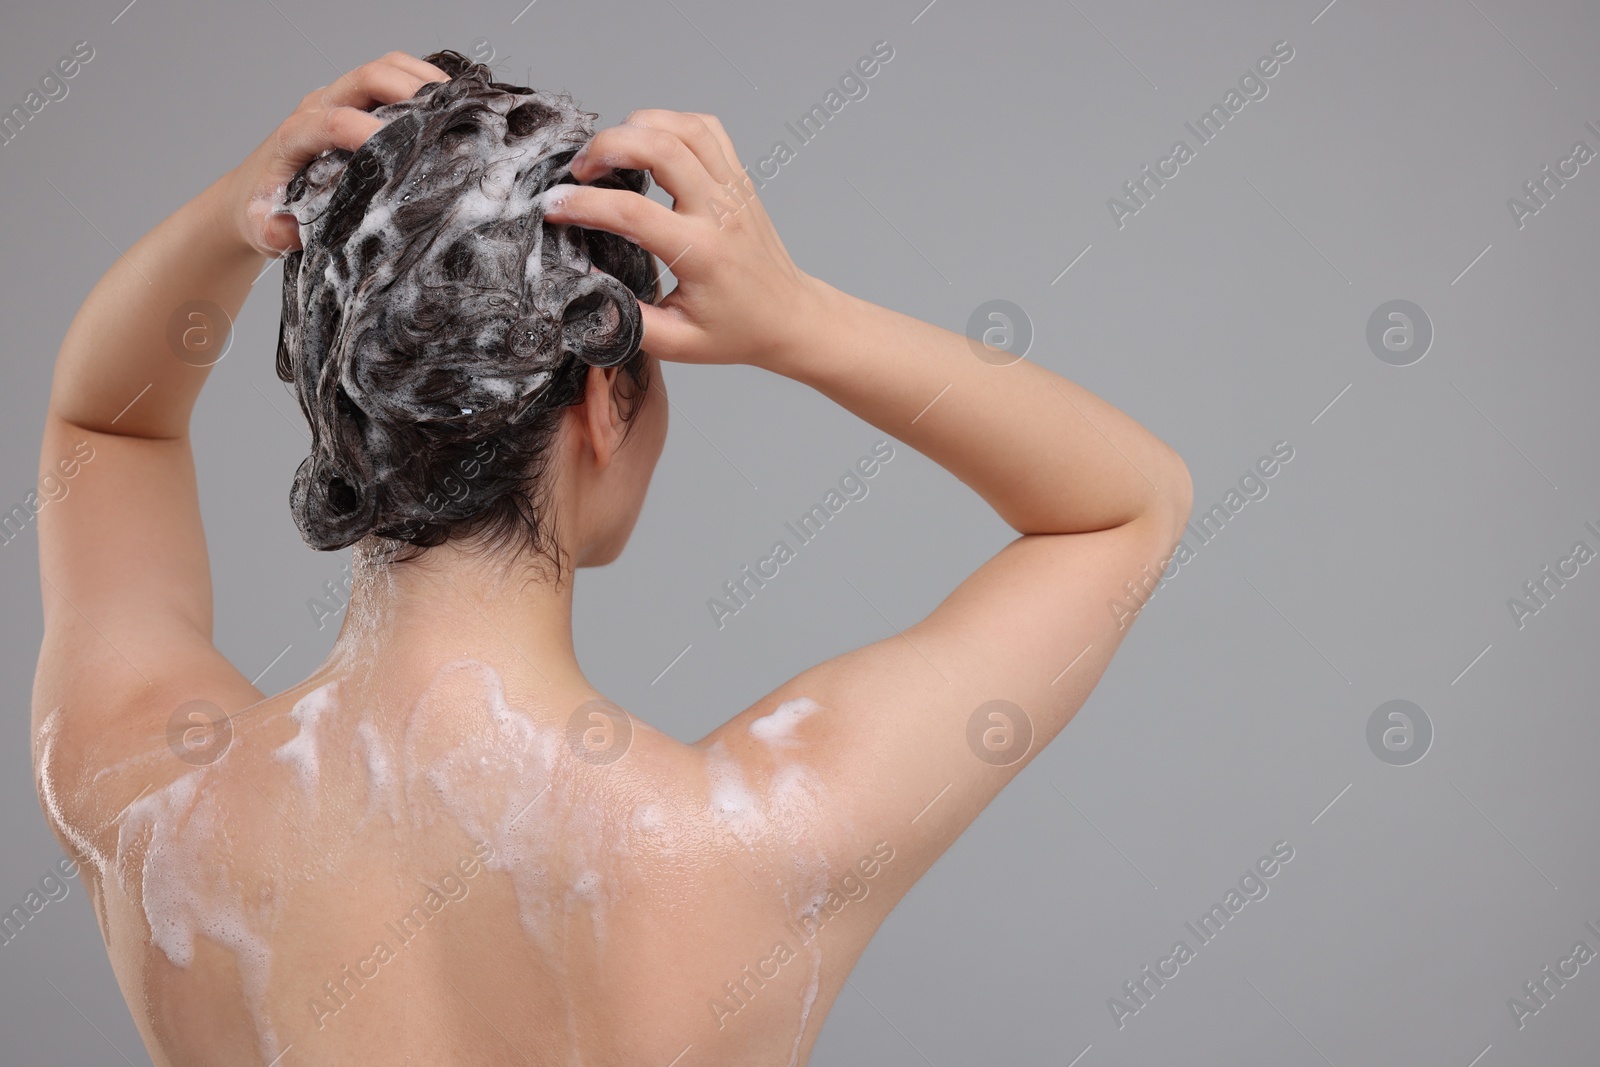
[1175, 497]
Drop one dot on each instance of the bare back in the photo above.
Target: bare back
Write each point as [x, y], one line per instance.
[442, 868]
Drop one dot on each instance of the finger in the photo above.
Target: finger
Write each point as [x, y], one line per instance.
[668, 159]
[652, 226]
[695, 132]
[281, 233]
[412, 65]
[720, 135]
[310, 133]
[367, 86]
[744, 193]
[667, 334]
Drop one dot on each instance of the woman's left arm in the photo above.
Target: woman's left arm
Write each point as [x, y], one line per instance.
[125, 579]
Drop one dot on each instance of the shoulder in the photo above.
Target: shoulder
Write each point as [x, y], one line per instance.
[93, 762]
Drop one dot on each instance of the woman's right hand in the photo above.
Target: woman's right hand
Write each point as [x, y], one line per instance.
[334, 116]
[740, 298]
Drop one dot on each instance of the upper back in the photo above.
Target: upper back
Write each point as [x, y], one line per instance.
[449, 870]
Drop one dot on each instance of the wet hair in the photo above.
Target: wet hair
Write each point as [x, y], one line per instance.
[435, 326]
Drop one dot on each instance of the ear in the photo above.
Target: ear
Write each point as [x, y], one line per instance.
[601, 414]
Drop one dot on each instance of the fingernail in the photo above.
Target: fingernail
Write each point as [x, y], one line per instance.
[577, 160]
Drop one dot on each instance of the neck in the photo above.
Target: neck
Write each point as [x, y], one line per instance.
[453, 603]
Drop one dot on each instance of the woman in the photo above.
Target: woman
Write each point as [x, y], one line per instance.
[445, 846]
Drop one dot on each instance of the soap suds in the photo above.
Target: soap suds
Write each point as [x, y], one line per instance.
[731, 801]
[185, 885]
[431, 307]
[504, 784]
[383, 786]
[588, 892]
[300, 751]
[808, 1000]
[470, 758]
[777, 729]
[647, 819]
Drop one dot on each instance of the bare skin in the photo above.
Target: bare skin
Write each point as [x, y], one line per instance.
[543, 895]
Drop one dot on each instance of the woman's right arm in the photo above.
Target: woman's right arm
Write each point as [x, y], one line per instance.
[1099, 500]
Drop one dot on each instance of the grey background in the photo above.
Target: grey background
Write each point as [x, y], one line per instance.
[1226, 316]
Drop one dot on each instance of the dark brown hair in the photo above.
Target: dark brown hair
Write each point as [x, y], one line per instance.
[435, 326]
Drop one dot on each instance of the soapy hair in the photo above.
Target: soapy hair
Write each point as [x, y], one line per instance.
[435, 326]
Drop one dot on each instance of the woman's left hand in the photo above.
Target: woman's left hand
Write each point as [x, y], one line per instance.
[334, 116]
[740, 298]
